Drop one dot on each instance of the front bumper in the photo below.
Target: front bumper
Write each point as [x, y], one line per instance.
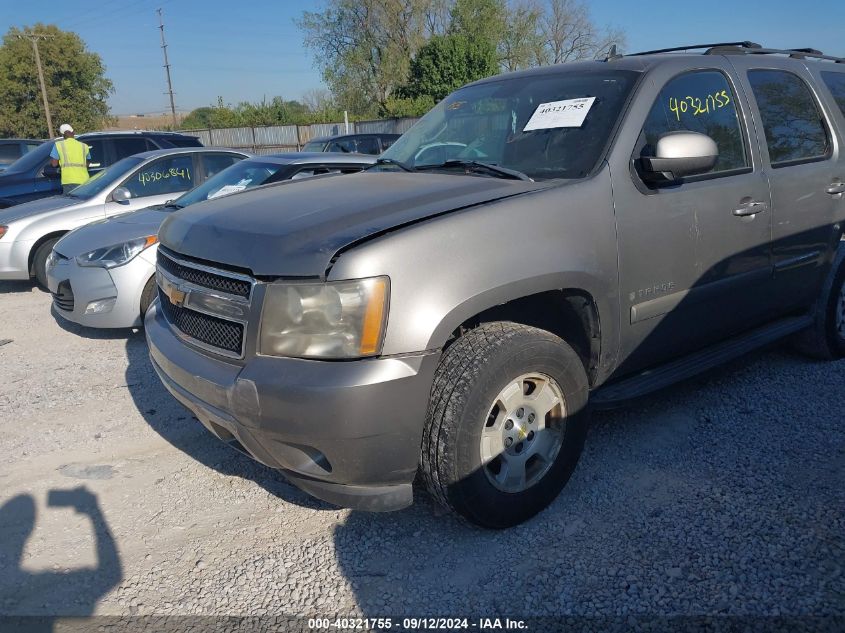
[120, 287]
[345, 432]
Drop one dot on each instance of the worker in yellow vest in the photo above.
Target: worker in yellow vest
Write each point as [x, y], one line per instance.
[73, 157]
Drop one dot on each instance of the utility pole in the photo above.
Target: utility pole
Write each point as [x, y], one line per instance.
[34, 37]
[167, 68]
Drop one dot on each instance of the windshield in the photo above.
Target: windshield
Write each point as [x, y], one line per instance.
[240, 176]
[31, 160]
[104, 179]
[545, 126]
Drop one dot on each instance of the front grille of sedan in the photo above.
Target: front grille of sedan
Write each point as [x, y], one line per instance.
[63, 298]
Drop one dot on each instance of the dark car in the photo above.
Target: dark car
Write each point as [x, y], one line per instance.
[11, 149]
[26, 179]
[351, 143]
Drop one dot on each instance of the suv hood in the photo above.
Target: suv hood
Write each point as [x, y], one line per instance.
[114, 230]
[37, 207]
[295, 228]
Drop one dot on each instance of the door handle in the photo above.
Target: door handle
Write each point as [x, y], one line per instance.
[753, 207]
[835, 188]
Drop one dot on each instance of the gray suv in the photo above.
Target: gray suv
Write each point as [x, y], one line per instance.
[539, 243]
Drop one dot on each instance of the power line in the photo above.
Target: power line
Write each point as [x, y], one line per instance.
[167, 68]
[33, 38]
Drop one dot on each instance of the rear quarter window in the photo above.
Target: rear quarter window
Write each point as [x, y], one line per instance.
[184, 141]
[835, 82]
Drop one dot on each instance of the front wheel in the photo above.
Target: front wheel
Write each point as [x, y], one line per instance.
[506, 423]
[39, 262]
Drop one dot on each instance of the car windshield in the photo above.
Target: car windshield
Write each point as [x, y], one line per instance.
[104, 179]
[545, 126]
[313, 146]
[31, 160]
[242, 175]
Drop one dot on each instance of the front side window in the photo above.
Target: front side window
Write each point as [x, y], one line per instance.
[548, 126]
[9, 152]
[98, 154]
[700, 101]
[835, 82]
[345, 146]
[794, 126]
[166, 175]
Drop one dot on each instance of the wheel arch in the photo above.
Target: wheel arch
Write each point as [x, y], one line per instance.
[38, 243]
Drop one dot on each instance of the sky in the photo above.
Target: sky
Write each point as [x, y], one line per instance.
[243, 51]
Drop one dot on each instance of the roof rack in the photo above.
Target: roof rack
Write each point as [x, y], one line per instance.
[795, 53]
[740, 48]
[741, 45]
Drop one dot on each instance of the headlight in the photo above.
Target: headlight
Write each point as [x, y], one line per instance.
[339, 319]
[116, 255]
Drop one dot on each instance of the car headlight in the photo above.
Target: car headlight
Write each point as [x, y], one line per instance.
[338, 319]
[117, 254]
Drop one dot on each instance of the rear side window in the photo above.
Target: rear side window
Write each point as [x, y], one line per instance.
[368, 145]
[183, 141]
[703, 102]
[387, 142]
[835, 82]
[124, 147]
[345, 145]
[795, 130]
[215, 163]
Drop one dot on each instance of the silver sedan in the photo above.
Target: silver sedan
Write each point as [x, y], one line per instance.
[29, 231]
[103, 274]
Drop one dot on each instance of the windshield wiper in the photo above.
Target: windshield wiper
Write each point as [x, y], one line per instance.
[173, 205]
[393, 161]
[474, 165]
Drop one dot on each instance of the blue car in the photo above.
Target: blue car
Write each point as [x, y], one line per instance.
[31, 176]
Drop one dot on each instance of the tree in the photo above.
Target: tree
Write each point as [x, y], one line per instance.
[569, 34]
[364, 47]
[446, 63]
[77, 88]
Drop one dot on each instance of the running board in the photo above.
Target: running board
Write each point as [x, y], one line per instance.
[614, 394]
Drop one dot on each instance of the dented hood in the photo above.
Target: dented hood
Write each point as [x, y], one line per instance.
[295, 228]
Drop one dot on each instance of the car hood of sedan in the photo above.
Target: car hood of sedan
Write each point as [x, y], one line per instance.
[296, 228]
[114, 230]
[38, 207]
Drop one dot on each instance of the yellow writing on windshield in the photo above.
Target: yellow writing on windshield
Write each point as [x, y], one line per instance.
[146, 177]
[699, 105]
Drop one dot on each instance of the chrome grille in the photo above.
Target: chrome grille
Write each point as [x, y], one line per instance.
[63, 299]
[209, 307]
[205, 278]
[226, 335]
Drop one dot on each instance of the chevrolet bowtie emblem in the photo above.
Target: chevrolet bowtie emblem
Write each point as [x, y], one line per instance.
[176, 296]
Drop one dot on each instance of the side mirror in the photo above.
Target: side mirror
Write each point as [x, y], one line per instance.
[51, 172]
[680, 154]
[121, 195]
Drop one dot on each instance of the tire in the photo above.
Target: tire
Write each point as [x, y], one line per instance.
[473, 398]
[39, 262]
[825, 340]
[148, 296]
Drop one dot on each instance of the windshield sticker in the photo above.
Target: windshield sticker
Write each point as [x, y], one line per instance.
[696, 106]
[567, 113]
[225, 190]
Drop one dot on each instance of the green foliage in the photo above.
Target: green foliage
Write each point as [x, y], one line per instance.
[277, 111]
[401, 107]
[447, 62]
[77, 88]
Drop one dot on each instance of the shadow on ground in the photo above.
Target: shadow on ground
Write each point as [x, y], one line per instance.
[24, 592]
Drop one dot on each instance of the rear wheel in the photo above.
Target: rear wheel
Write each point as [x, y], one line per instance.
[148, 296]
[826, 339]
[39, 262]
[506, 423]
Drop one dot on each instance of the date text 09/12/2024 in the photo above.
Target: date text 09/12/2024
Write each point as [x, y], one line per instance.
[418, 624]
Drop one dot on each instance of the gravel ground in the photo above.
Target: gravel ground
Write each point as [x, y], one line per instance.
[721, 496]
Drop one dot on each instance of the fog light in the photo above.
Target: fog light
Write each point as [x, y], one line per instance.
[100, 305]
